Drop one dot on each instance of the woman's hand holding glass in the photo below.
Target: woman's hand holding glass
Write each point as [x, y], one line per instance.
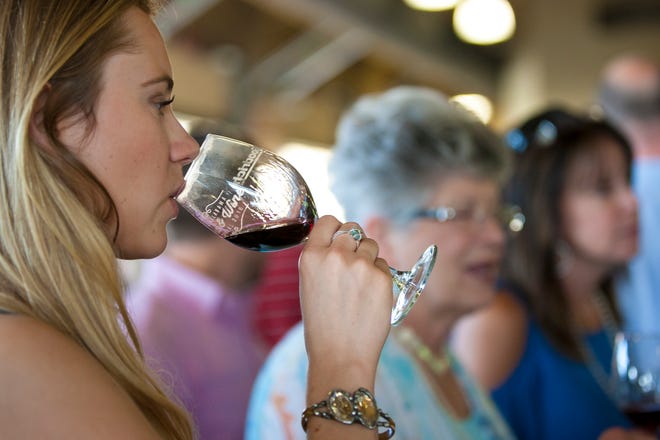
[346, 300]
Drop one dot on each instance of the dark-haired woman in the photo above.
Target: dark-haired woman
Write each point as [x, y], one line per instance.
[544, 346]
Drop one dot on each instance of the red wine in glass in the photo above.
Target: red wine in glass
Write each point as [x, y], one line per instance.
[645, 417]
[257, 200]
[273, 239]
[636, 378]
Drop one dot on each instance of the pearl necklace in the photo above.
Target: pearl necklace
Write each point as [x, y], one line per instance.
[437, 364]
[442, 364]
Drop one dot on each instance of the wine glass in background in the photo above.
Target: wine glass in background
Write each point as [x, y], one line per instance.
[257, 200]
[636, 378]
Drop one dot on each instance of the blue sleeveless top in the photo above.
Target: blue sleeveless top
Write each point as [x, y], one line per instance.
[551, 396]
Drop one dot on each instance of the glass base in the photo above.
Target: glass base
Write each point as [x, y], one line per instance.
[408, 285]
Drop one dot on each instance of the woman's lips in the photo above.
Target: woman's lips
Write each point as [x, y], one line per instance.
[178, 190]
[486, 271]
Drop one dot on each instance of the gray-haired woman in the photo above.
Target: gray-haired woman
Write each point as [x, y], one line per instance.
[412, 169]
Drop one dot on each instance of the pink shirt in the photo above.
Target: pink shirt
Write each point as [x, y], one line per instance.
[199, 338]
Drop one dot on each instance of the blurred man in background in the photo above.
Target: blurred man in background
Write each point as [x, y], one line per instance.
[629, 95]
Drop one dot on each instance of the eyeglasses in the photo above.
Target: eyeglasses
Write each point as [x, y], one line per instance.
[545, 129]
[511, 218]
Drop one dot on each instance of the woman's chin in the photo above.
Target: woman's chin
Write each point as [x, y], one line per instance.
[480, 296]
[143, 249]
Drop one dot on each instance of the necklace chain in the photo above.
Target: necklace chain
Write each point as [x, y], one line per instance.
[437, 364]
[611, 328]
[605, 313]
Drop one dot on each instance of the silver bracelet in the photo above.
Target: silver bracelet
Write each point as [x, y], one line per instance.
[358, 407]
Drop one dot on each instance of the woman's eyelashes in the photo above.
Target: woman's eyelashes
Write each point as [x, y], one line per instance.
[160, 105]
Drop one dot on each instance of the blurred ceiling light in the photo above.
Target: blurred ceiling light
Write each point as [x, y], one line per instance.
[311, 161]
[484, 22]
[431, 5]
[477, 104]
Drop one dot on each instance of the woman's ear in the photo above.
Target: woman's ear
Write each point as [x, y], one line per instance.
[37, 127]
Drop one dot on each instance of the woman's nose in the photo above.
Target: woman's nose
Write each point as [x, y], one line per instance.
[493, 230]
[184, 147]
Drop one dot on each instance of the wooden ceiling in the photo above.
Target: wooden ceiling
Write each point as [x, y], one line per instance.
[287, 68]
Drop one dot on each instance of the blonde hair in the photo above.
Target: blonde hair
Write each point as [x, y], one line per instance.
[57, 259]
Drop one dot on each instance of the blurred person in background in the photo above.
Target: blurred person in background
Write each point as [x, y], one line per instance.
[544, 346]
[277, 297]
[413, 169]
[629, 95]
[192, 310]
[192, 307]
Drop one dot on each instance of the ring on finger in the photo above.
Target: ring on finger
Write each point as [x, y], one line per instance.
[355, 233]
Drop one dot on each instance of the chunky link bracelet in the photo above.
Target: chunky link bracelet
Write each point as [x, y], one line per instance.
[344, 407]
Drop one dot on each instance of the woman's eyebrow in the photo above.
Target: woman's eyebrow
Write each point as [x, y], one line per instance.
[165, 78]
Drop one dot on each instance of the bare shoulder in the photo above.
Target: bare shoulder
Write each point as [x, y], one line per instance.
[490, 342]
[53, 388]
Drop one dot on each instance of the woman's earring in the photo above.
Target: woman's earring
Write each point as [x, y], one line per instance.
[565, 258]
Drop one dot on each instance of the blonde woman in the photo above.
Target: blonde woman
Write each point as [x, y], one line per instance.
[90, 161]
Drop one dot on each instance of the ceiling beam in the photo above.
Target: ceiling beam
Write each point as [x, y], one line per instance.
[628, 13]
[414, 48]
[336, 56]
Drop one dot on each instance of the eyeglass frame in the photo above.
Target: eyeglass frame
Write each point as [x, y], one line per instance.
[510, 217]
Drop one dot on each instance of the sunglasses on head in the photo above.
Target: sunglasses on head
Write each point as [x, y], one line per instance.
[544, 130]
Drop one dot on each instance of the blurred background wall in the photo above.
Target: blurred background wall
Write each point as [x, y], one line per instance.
[283, 70]
[290, 66]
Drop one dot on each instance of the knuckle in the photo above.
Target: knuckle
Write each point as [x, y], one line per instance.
[370, 242]
[329, 219]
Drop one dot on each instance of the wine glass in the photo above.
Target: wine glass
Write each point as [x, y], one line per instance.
[636, 378]
[257, 200]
